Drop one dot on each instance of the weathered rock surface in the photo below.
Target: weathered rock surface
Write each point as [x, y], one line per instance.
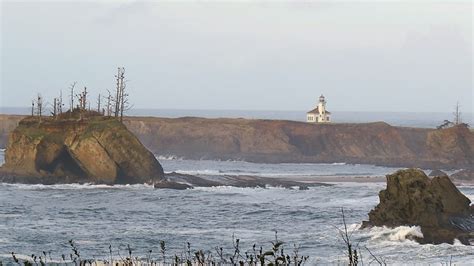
[96, 150]
[436, 205]
[276, 141]
[183, 181]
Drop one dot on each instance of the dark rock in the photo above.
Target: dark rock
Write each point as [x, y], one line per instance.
[237, 181]
[436, 205]
[171, 185]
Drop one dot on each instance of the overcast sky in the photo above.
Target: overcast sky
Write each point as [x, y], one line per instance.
[390, 56]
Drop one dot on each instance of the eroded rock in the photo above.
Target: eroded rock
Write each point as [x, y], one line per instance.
[95, 150]
[436, 205]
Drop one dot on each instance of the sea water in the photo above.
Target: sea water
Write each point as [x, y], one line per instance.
[37, 218]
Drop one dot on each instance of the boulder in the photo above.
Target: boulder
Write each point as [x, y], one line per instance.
[436, 205]
[94, 150]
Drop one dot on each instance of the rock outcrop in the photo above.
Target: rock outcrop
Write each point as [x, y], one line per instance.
[436, 205]
[93, 150]
[182, 181]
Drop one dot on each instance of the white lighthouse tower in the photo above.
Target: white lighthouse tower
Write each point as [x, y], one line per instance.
[319, 114]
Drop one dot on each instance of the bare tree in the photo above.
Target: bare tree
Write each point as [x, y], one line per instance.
[60, 104]
[71, 88]
[32, 107]
[457, 114]
[84, 99]
[98, 104]
[109, 104]
[39, 104]
[55, 107]
[119, 90]
[124, 103]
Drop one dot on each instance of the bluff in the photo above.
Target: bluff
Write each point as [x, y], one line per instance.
[96, 150]
[436, 205]
[274, 141]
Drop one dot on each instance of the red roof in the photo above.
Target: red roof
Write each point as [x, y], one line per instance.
[316, 111]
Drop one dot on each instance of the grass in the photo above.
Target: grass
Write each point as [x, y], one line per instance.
[54, 128]
[275, 254]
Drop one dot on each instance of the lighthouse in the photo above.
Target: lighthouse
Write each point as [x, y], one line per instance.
[319, 114]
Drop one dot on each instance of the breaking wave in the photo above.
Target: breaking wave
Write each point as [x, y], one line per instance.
[74, 186]
[399, 234]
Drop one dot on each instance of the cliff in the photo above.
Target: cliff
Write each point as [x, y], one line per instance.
[274, 141]
[436, 205]
[96, 150]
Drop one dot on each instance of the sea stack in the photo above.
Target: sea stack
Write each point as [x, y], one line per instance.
[97, 149]
[436, 205]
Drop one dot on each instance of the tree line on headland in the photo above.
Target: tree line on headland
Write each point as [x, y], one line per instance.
[114, 104]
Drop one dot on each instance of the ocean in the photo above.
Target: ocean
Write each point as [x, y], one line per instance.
[37, 218]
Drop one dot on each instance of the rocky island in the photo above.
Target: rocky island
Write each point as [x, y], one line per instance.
[96, 149]
[436, 205]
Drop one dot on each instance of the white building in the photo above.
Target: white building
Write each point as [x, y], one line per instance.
[319, 114]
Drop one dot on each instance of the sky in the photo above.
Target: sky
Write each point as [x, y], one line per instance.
[401, 56]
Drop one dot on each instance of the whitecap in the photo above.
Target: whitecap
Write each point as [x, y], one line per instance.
[75, 186]
[397, 234]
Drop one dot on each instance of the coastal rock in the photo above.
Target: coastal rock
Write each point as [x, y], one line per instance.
[183, 181]
[94, 150]
[436, 205]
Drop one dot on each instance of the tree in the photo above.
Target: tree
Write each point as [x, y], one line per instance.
[119, 90]
[109, 104]
[60, 103]
[39, 106]
[55, 107]
[457, 114]
[125, 104]
[71, 88]
[82, 98]
[98, 104]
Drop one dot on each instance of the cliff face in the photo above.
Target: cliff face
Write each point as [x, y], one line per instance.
[286, 141]
[273, 141]
[96, 150]
[436, 205]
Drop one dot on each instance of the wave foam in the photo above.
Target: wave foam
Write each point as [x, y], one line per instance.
[76, 186]
[168, 157]
[399, 234]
